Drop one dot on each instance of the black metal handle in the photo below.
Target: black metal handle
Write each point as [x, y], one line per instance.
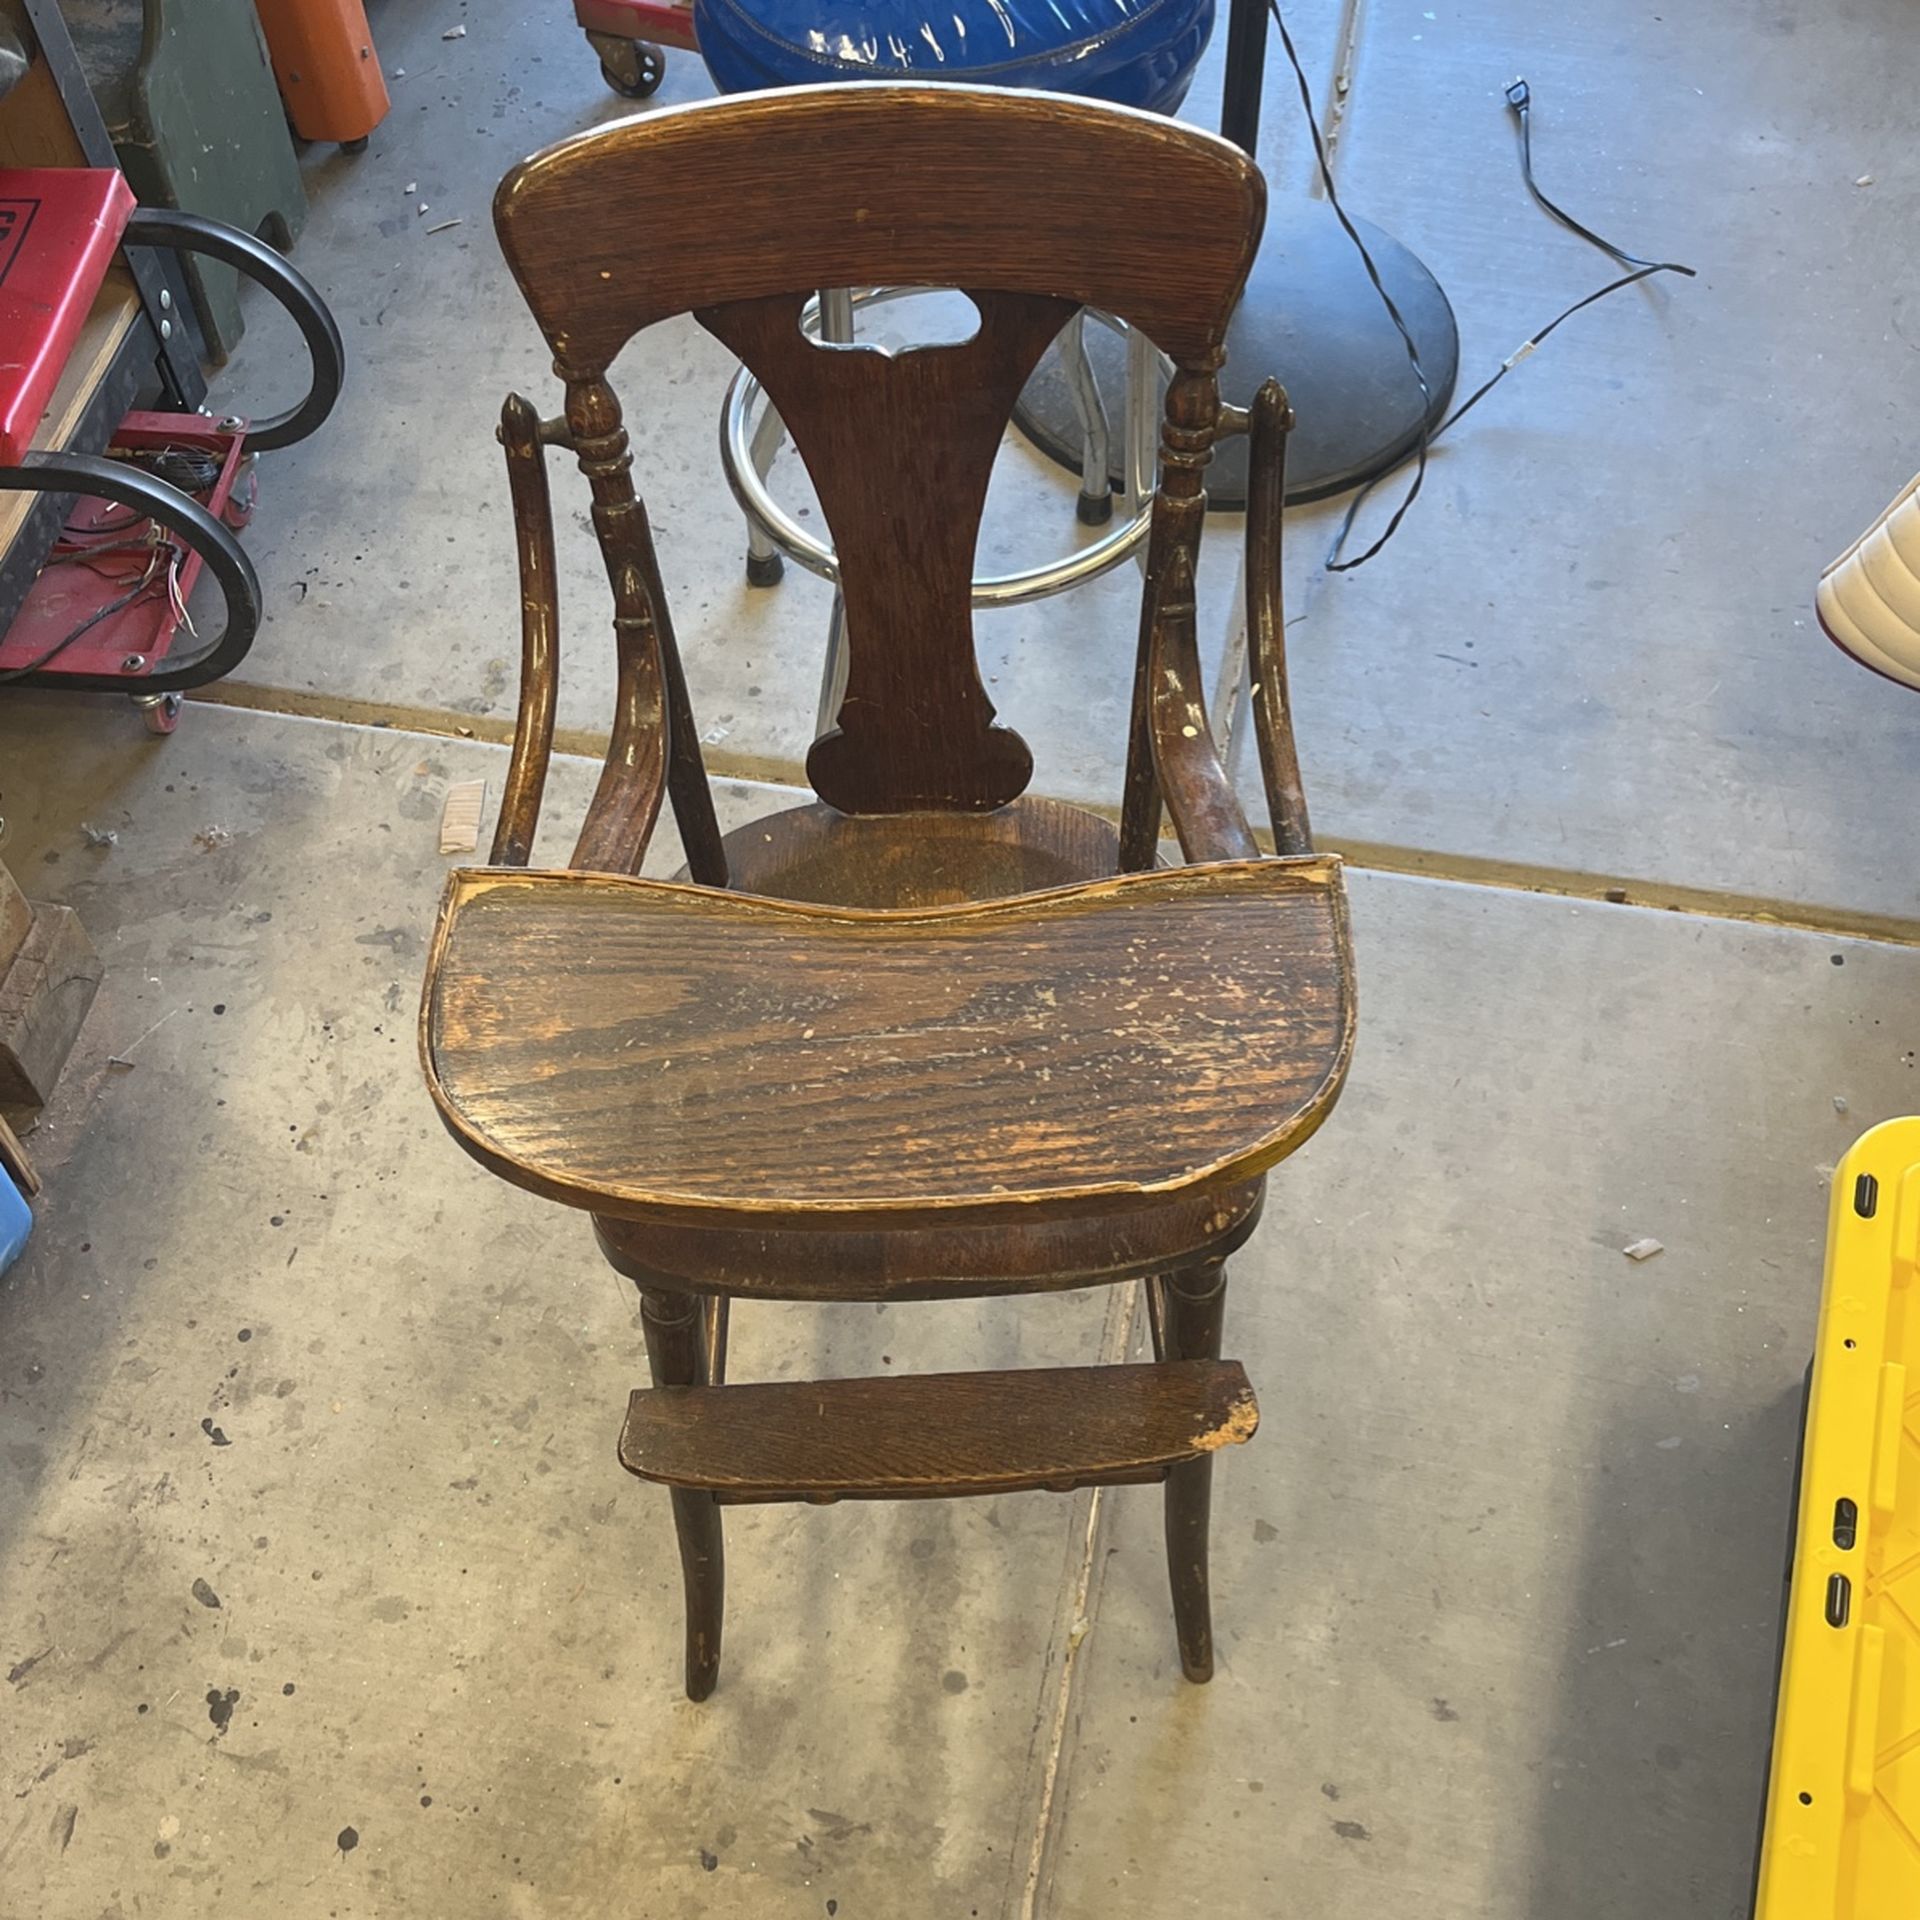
[180, 513]
[191, 233]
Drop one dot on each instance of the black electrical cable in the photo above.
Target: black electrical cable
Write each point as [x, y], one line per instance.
[1520, 103]
[86, 626]
[193, 470]
[1334, 563]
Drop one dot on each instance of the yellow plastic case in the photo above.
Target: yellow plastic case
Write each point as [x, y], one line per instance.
[1842, 1833]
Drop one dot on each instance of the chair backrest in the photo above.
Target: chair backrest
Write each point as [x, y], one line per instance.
[739, 210]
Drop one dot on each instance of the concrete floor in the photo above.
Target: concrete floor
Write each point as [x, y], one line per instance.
[320, 1589]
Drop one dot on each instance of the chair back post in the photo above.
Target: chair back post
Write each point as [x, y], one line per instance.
[1270, 423]
[1171, 764]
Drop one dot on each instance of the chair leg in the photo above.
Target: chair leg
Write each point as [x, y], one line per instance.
[1193, 1304]
[676, 1329]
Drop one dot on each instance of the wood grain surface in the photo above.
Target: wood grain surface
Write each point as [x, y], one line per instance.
[881, 185]
[900, 448]
[945, 1261]
[923, 859]
[626, 1045]
[919, 1436]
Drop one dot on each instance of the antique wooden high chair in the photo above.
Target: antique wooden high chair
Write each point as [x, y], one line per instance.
[926, 1036]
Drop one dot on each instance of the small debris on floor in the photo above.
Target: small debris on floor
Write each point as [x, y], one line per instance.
[454, 33]
[460, 816]
[98, 837]
[212, 837]
[411, 188]
[443, 225]
[1839, 1103]
[1642, 1249]
[125, 1059]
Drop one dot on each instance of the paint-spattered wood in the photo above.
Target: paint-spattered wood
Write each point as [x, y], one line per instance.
[924, 1436]
[627, 1045]
[933, 1262]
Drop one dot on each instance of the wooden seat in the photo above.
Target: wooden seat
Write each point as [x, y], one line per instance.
[929, 1033]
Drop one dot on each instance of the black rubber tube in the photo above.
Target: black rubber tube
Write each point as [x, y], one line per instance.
[190, 233]
[180, 513]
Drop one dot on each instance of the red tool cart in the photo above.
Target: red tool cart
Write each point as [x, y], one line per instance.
[108, 513]
[630, 35]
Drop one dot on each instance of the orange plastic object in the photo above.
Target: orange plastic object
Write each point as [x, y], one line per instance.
[324, 61]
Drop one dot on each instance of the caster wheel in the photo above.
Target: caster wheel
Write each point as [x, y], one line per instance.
[632, 68]
[245, 496]
[355, 146]
[161, 712]
[765, 572]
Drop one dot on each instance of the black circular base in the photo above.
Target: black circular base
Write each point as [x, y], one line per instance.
[1311, 317]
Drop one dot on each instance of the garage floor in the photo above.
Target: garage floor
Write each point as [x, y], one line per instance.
[321, 1592]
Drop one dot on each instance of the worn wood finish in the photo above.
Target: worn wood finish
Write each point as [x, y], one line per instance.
[935, 1435]
[1158, 746]
[1206, 813]
[677, 1334]
[539, 634]
[933, 1262]
[1192, 1307]
[653, 744]
[916, 727]
[631, 1046]
[920, 860]
[882, 184]
[626, 802]
[1272, 421]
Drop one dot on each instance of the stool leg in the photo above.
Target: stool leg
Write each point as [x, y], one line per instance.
[836, 323]
[1193, 1305]
[1142, 457]
[833, 673]
[1095, 506]
[764, 562]
[675, 1325]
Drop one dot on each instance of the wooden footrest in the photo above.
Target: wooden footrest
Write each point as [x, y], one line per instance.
[924, 1435]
